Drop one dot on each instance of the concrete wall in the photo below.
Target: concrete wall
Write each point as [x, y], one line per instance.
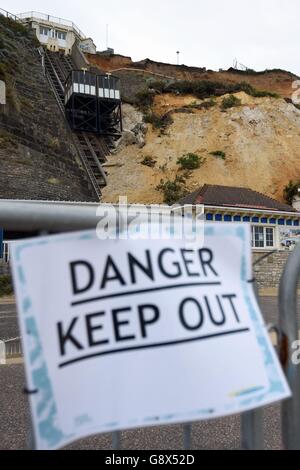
[79, 57]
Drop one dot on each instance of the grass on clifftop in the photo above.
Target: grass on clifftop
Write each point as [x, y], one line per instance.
[201, 89]
[16, 28]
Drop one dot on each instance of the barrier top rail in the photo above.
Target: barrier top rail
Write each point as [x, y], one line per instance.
[8, 14]
[53, 19]
[66, 216]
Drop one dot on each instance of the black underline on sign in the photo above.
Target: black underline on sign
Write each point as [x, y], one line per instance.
[152, 346]
[144, 291]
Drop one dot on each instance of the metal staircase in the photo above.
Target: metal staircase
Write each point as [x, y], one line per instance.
[91, 148]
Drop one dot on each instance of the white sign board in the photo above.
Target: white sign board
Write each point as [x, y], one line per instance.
[122, 334]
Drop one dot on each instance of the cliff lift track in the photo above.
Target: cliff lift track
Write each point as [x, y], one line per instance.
[91, 148]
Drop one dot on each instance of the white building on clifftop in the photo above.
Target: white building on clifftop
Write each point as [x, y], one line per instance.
[57, 34]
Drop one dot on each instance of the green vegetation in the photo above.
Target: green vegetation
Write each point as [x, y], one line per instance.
[219, 154]
[6, 287]
[230, 102]
[159, 122]
[149, 161]
[250, 90]
[290, 191]
[261, 72]
[144, 99]
[16, 27]
[207, 88]
[173, 190]
[208, 104]
[158, 85]
[204, 105]
[7, 140]
[190, 161]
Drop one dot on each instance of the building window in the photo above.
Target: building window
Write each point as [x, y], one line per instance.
[262, 237]
[281, 222]
[289, 222]
[273, 221]
[44, 31]
[264, 220]
[209, 217]
[255, 219]
[227, 218]
[218, 218]
[296, 223]
[269, 237]
[61, 35]
[237, 218]
[246, 219]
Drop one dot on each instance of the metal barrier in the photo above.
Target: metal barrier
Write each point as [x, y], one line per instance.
[28, 216]
[289, 334]
[13, 347]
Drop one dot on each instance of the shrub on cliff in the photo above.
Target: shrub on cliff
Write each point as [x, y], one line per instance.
[219, 154]
[173, 190]
[144, 99]
[190, 161]
[230, 102]
[291, 191]
[158, 122]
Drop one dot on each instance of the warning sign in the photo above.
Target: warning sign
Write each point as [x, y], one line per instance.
[128, 333]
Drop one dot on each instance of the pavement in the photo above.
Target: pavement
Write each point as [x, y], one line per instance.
[216, 434]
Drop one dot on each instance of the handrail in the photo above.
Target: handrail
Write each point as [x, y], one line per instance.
[12, 339]
[55, 73]
[93, 153]
[31, 216]
[53, 19]
[288, 322]
[8, 14]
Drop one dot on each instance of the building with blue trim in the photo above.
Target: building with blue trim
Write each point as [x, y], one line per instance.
[274, 225]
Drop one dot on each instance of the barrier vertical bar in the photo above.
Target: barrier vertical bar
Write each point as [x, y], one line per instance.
[187, 436]
[252, 430]
[116, 440]
[290, 409]
[252, 421]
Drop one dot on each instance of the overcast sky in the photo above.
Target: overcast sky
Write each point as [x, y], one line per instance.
[211, 33]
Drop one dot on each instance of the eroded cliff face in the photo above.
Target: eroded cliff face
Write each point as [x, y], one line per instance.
[260, 139]
[278, 81]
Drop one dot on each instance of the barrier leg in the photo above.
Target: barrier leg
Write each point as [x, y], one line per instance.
[116, 440]
[187, 436]
[252, 430]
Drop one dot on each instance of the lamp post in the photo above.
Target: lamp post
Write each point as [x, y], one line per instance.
[178, 52]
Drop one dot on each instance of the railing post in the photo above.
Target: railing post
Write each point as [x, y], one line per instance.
[116, 440]
[187, 436]
[2, 353]
[252, 430]
[290, 409]
[252, 421]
